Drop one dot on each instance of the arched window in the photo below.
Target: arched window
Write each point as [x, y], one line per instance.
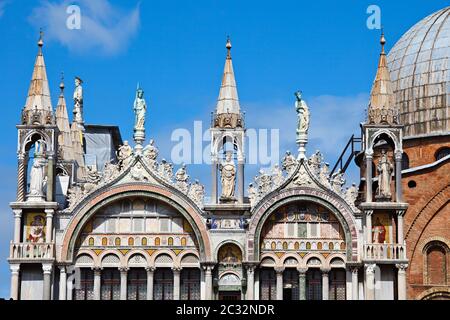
[436, 263]
[91, 241]
[104, 241]
[157, 241]
[117, 241]
[442, 152]
[170, 241]
[144, 241]
[405, 161]
[131, 241]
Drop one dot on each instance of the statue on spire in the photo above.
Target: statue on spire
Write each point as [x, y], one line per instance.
[302, 124]
[302, 113]
[140, 109]
[78, 101]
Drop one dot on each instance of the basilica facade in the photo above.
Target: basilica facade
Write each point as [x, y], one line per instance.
[100, 218]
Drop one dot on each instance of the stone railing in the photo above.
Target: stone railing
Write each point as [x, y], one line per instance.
[385, 251]
[28, 250]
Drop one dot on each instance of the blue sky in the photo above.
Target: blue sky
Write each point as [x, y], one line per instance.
[176, 50]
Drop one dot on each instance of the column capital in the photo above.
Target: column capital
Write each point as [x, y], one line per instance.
[150, 269]
[49, 212]
[17, 213]
[176, 269]
[370, 267]
[368, 153]
[325, 270]
[400, 212]
[398, 154]
[279, 269]
[354, 269]
[47, 268]
[62, 268]
[401, 267]
[14, 267]
[302, 270]
[123, 269]
[250, 266]
[97, 270]
[368, 212]
[208, 266]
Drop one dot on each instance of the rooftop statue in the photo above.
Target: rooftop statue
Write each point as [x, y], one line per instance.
[140, 108]
[78, 101]
[302, 113]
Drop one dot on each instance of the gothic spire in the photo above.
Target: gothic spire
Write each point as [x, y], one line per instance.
[382, 105]
[62, 121]
[38, 99]
[228, 101]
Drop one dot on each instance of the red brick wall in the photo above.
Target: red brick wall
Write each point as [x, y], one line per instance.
[428, 215]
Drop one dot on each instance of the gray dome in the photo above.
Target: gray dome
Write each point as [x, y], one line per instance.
[419, 69]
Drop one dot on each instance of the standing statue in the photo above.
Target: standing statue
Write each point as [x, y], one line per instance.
[252, 194]
[37, 177]
[277, 176]
[78, 101]
[302, 114]
[181, 178]
[150, 151]
[337, 181]
[315, 161]
[384, 170]
[324, 175]
[140, 108]
[124, 154]
[289, 162]
[228, 176]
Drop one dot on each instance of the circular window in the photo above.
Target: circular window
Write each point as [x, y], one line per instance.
[412, 184]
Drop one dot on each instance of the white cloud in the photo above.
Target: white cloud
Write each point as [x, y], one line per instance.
[104, 28]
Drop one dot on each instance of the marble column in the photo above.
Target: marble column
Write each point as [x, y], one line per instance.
[47, 270]
[50, 177]
[401, 280]
[214, 181]
[250, 282]
[150, 272]
[302, 283]
[17, 224]
[62, 283]
[355, 285]
[325, 283]
[279, 271]
[49, 225]
[176, 282]
[208, 281]
[240, 181]
[15, 268]
[370, 281]
[400, 234]
[97, 283]
[123, 283]
[398, 176]
[369, 226]
[369, 173]
[22, 176]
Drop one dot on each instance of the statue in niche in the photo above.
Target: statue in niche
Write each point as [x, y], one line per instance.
[124, 154]
[37, 172]
[384, 169]
[78, 101]
[140, 108]
[228, 176]
[289, 162]
[302, 113]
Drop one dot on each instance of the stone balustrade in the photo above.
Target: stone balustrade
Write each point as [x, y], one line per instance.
[28, 250]
[384, 251]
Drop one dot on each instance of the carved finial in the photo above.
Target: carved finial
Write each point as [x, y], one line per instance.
[228, 46]
[61, 84]
[382, 40]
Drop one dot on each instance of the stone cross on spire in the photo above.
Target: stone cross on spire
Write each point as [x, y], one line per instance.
[38, 106]
[382, 106]
[228, 112]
